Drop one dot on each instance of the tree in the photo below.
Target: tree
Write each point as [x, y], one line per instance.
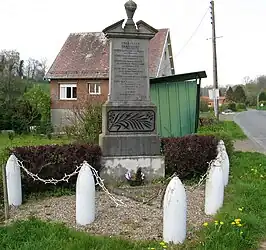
[36, 69]
[261, 82]
[262, 96]
[21, 69]
[40, 101]
[239, 95]
[9, 62]
[229, 95]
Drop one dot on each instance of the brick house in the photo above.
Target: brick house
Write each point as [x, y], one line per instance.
[81, 69]
[211, 102]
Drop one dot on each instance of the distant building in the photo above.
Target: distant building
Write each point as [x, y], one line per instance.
[211, 103]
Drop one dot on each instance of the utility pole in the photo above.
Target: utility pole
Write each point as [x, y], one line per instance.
[215, 77]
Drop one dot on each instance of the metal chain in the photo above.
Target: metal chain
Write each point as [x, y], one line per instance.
[35, 177]
[66, 178]
[100, 182]
[219, 158]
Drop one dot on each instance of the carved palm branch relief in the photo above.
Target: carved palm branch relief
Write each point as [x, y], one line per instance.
[131, 121]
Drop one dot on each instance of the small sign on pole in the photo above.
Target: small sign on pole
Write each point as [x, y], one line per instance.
[213, 94]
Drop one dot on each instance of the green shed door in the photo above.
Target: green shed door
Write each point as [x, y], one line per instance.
[176, 107]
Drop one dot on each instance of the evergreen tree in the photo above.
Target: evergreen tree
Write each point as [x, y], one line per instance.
[229, 95]
[262, 96]
[239, 95]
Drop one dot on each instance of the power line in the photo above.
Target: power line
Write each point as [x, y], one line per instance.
[193, 34]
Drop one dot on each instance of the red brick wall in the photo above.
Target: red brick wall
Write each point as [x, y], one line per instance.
[82, 93]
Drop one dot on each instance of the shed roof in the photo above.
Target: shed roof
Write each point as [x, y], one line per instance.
[86, 55]
[180, 77]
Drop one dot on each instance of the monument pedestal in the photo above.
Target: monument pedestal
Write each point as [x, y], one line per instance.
[129, 130]
[116, 167]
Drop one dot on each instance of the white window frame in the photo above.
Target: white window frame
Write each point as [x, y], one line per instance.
[94, 92]
[66, 85]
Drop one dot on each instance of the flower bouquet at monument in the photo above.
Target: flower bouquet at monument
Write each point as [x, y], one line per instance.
[135, 179]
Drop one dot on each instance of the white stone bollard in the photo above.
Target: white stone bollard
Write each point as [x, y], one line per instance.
[225, 167]
[13, 181]
[85, 196]
[225, 163]
[214, 189]
[174, 212]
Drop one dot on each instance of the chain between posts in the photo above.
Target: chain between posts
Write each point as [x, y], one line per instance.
[219, 158]
[66, 178]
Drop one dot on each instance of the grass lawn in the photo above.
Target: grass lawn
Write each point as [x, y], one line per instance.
[245, 199]
[26, 140]
[229, 127]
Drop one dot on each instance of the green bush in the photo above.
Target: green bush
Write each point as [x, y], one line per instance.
[223, 107]
[87, 123]
[207, 121]
[232, 106]
[241, 106]
[40, 102]
[17, 116]
[204, 106]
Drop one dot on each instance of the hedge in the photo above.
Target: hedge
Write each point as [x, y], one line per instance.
[54, 161]
[227, 139]
[188, 156]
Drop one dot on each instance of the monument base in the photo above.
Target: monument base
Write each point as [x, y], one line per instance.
[115, 168]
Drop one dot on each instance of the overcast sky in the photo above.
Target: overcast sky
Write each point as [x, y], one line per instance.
[38, 29]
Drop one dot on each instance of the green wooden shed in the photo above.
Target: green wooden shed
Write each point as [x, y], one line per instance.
[177, 98]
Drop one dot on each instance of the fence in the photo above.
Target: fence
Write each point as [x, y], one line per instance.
[174, 200]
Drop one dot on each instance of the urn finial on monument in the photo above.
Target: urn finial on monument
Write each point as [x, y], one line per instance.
[130, 7]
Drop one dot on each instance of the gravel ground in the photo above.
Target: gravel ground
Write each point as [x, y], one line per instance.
[136, 221]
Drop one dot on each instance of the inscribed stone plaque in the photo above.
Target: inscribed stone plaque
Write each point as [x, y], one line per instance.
[131, 120]
[129, 70]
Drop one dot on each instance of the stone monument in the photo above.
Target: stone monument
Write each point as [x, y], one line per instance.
[129, 138]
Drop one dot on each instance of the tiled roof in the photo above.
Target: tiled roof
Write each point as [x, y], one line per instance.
[86, 55]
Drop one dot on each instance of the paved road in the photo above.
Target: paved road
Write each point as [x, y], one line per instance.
[253, 123]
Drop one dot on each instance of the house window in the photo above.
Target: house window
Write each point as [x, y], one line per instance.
[94, 88]
[68, 91]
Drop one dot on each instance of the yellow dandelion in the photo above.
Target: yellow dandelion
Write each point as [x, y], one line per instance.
[216, 222]
[237, 220]
[241, 209]
[221, 223]
[164, 246]
[205, 224]
[233, 223]
[239, 225]
[162, 243]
